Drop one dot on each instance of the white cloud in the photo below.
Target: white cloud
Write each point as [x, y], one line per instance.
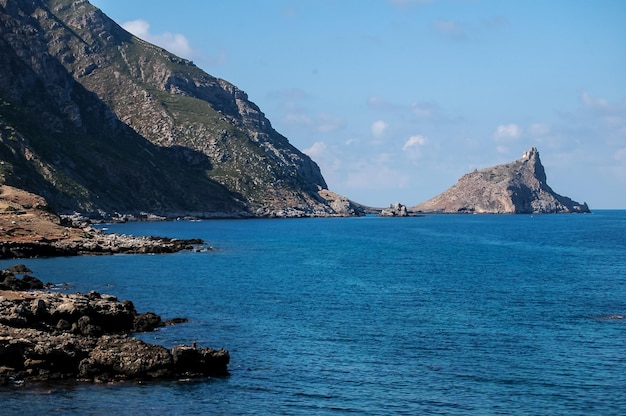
[373, 176]
[593, 102]
[408, 2]
[414, 141]
[413, 146]
[297, 118]
[289, 94]
[426, 111]
[507, 132]
[495, 22]
[599, 118]
[327, 123]
[173, 42]
[379, 128]
[450, 28]
[376, 102]
[317, 150]
[323, 123]
[457, 30]
[539, 129]
[503, 149]
[290, 12]
[620, 155]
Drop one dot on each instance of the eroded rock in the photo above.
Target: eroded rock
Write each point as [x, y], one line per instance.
[518, 187]
[46, 336]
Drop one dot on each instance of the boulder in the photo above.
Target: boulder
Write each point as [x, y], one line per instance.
[193, 362]
[46, 336]
[8, 281]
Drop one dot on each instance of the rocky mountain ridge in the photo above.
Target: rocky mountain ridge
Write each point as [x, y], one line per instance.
[519, 187]
[99, 122]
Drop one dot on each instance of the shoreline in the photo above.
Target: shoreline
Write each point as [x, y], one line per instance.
[50, 336]
[28, 229]
[98, 243]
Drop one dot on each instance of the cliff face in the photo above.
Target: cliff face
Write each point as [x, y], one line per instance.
[96, 120]
[518, 187]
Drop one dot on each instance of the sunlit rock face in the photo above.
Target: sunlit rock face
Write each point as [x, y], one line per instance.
[96, 120]
[518, 187]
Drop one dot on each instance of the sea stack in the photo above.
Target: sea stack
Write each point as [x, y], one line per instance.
[519, 187]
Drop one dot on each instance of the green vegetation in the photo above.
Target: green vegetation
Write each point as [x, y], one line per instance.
[135, 128]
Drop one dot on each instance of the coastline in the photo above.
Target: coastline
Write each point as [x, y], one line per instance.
[28, 229]
[50, 336]
[97, 243]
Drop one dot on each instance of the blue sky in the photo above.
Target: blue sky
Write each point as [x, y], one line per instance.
[397, 99]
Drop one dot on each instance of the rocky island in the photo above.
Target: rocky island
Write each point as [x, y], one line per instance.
[519, 187]
[48, 336]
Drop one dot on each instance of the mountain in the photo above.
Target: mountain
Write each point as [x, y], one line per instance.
[98, 121]
[518, 187]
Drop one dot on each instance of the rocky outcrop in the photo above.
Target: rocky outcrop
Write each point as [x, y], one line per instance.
[395, 210]
[47, 336]
[29, 229]
[518, 187]
[95, 242]
[98, 121]
[341, 205]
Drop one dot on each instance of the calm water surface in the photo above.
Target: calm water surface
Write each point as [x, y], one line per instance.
[449, 314]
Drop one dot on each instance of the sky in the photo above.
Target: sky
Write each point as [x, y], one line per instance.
[396, 99]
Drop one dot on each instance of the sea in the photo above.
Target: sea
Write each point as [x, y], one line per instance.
[430, 315]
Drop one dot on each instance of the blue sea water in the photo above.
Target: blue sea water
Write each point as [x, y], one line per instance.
[443, 314]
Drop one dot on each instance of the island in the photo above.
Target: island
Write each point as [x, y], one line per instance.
[518, 187]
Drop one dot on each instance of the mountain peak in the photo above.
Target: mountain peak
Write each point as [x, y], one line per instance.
[531, 158]
[518, 187]
[533, 153]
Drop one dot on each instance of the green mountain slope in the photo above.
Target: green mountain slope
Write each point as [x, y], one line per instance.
[97, 120]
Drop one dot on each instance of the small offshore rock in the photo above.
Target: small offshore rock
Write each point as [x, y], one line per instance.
[395, 210]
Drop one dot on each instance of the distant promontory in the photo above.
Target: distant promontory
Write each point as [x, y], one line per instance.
[518, 187]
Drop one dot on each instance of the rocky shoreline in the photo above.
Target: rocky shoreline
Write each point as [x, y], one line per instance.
[48, 336]
[97, 243]
[29, 229]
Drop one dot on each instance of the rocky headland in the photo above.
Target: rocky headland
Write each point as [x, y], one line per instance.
[48, 336]
[98, 121]
[519, 187]
[29, 229]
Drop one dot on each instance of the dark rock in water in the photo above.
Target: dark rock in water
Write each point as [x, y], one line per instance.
[8, 281]
[116, 357]
[19, 269]
[518, 187]
[193, 362]
[146, 322]
[175, 321]
[47, 336]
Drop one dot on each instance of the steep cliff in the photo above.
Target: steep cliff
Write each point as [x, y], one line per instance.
[518, 187]
[97, 120]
